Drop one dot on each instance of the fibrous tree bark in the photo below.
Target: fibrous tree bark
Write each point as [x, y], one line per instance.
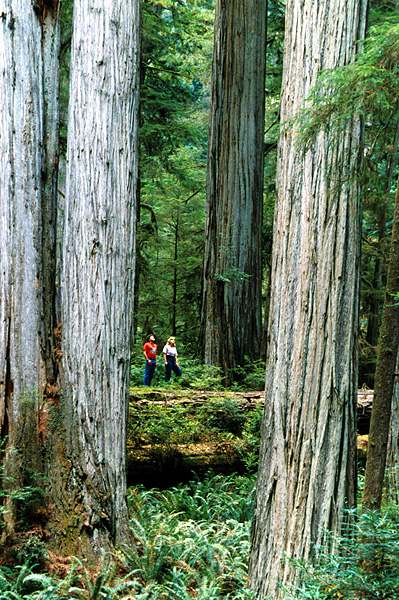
[231, 321]
[98, 265]
[384, 379]
[307, 457]
[29, 40]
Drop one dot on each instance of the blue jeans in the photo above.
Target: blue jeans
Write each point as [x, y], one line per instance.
[149, 371]
[171, 366]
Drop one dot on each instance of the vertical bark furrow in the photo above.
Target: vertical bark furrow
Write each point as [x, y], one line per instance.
[310, 382]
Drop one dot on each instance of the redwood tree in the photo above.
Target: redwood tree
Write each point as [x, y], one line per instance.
[231, 315]
[29, 41]
[307, 458]
[98, 267]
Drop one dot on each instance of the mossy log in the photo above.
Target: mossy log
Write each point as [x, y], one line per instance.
[247, 400]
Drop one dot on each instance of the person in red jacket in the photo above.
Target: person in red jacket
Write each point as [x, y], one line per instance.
[150, 354]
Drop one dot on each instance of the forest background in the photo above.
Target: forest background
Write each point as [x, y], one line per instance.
[175, 102]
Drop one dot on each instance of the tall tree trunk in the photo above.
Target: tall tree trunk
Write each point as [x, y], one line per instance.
[387, 351]
[99, 263]
[29, 39]
[392, 472]
[307, 457]
[231, 322]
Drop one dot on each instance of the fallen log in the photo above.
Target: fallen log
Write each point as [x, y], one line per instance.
[246, 400]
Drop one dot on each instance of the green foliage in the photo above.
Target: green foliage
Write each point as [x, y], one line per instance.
[223, 414]
[248, 449]
[194, 374]
[192, 539]
[365, 563]
[175, 69]
[32, 552]
[251, 376]
[26, 499]
[197, 376]
[255, 378]
[164, 425]
[201, 377]
[19, 583]
[103, 586]
[79, 584]
[368, 88]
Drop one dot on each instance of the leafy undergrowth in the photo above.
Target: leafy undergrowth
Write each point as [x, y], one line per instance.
[365, 563]
[191, 541]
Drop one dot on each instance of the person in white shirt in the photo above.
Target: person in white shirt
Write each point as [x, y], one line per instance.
[170, 357]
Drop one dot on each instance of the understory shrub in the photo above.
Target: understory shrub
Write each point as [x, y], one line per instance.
[199, 376]
[32, 552]
[223, 414]
[251, 376]
[192, 541]
[248, 448]
[20, 583]
[365, 563]
[27, 500]
[154, 424]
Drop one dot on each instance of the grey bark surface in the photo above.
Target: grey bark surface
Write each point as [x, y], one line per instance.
[231, 322]
[99, 259]
[307, 458]
[20, 172]
[28, 97]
